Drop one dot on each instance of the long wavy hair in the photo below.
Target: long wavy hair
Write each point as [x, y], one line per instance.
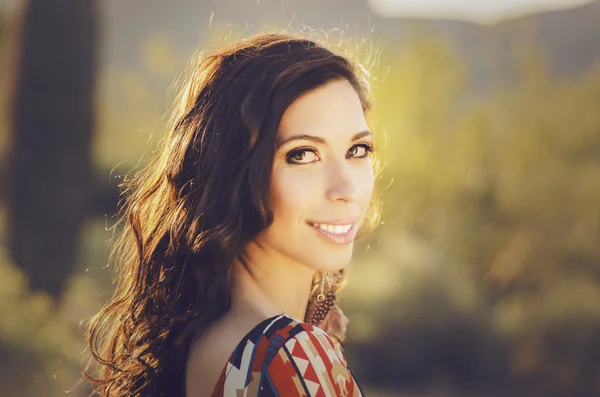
[187, 215]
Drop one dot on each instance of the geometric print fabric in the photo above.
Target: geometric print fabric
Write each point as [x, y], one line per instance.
[285, 357]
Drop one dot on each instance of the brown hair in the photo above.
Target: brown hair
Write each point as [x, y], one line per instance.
[188, 214]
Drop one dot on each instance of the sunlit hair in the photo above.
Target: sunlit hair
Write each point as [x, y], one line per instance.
[186, 216]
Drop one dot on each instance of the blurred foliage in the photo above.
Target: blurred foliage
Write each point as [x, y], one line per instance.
[492, 217]
[483, 278]
[37, 346]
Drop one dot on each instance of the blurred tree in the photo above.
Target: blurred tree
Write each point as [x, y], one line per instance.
[51, 126]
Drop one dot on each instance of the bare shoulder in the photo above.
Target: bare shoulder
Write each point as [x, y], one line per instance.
[205, 357]
[209, 353]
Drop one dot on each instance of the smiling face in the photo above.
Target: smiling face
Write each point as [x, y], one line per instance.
[322, 178]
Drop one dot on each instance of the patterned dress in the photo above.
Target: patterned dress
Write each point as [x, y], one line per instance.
[285, 357]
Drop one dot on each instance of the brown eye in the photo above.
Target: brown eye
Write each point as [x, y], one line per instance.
[359, 151]
[301, 156]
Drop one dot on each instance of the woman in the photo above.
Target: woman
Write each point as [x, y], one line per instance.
[235, 238]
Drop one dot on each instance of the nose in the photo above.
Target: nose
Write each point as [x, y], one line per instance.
[342, 182]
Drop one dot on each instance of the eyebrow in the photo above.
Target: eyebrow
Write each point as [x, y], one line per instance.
[317, 139]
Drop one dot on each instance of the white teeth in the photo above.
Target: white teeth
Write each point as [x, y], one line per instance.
[334, 229]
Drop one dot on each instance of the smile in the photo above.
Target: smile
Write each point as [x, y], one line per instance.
[339, 234]
[335, 229]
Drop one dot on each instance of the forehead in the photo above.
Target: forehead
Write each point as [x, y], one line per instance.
[333, 108]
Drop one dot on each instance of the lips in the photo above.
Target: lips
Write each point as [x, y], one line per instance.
[334, 229]
[339, 232]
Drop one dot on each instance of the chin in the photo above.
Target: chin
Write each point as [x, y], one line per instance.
[333, 263]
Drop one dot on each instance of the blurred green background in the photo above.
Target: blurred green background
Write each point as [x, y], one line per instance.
[483, 278]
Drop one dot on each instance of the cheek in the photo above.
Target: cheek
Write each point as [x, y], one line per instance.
[365, 180]
[292, 194]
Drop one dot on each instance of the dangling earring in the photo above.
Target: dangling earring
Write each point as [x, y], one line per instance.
[324, 280]
[325, 299]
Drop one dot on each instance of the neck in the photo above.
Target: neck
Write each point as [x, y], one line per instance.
[268, 284]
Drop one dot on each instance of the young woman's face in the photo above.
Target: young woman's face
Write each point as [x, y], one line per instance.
[322, 178]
